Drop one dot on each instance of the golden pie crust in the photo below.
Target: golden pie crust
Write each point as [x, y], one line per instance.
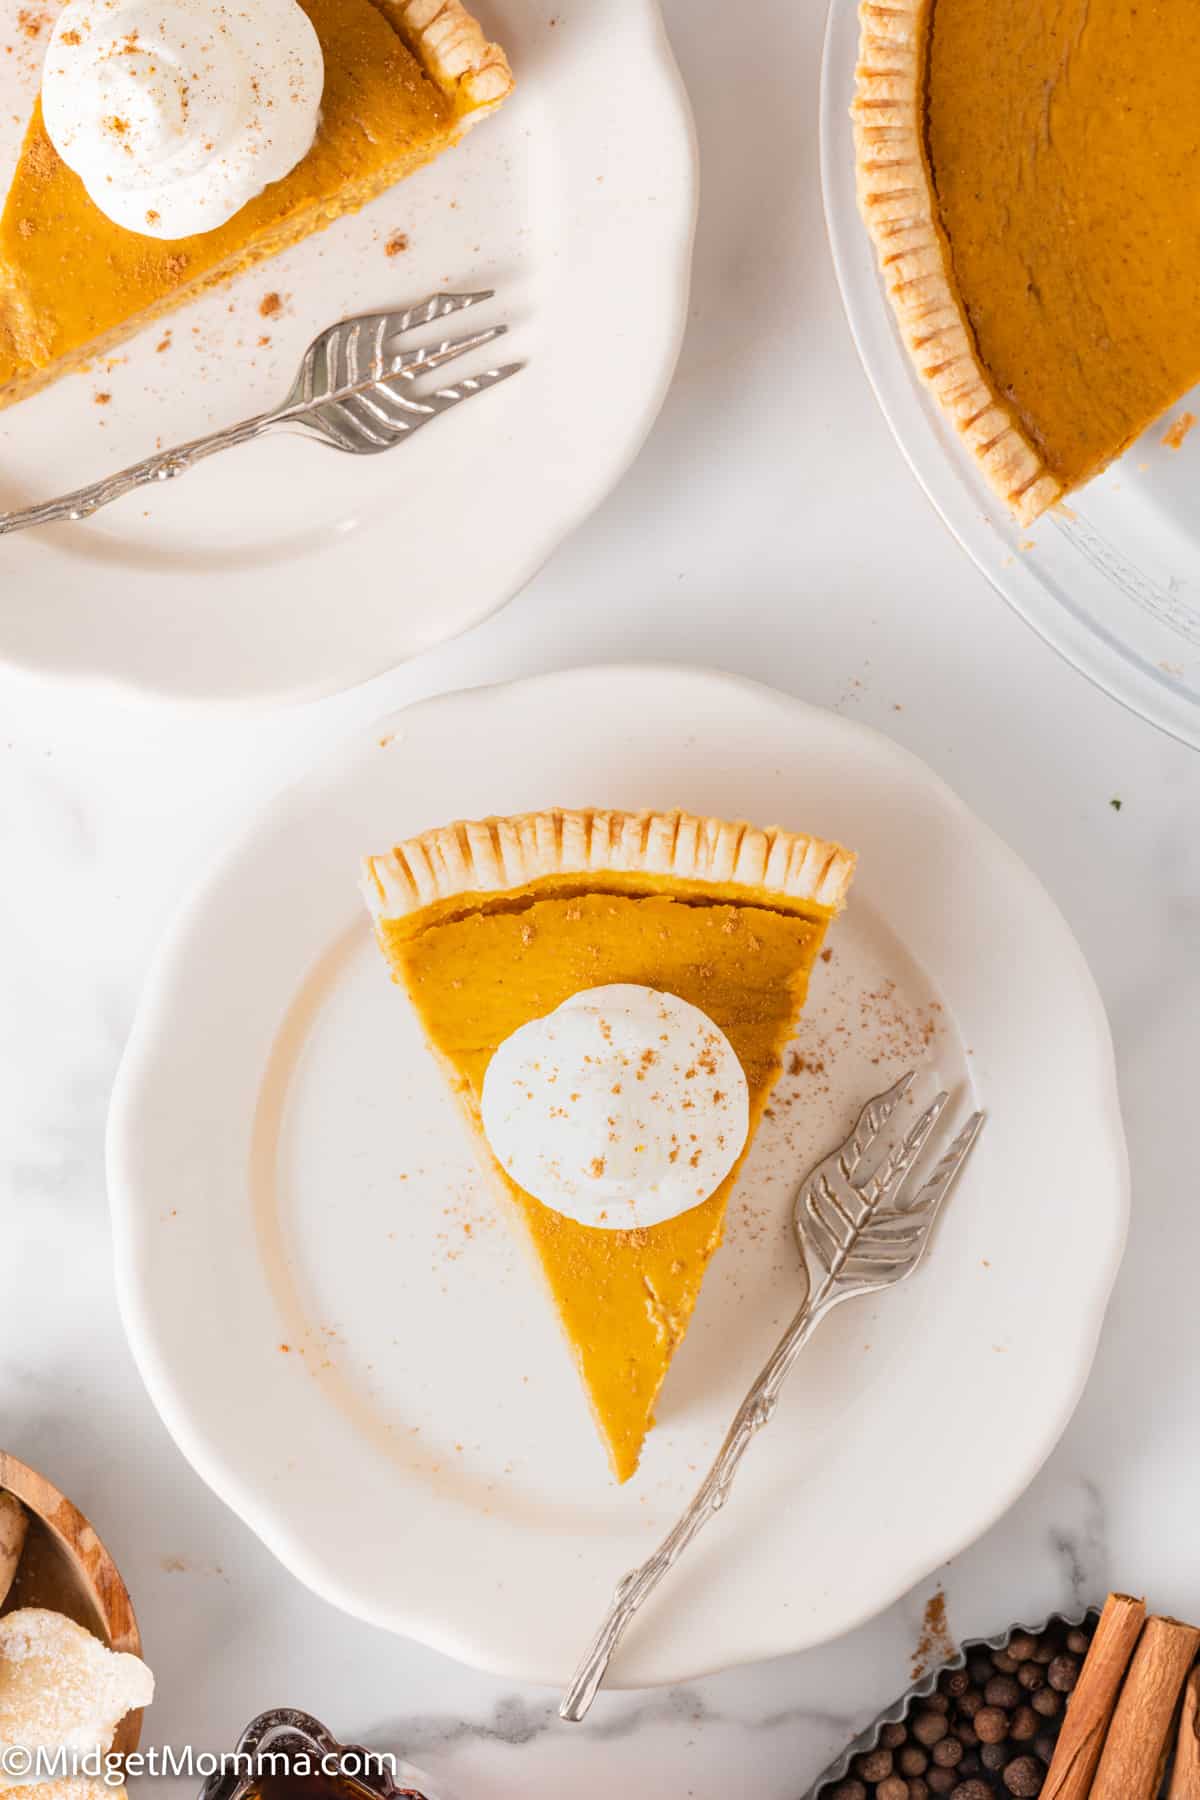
[453, 49]
[498, 855]
[898, 202]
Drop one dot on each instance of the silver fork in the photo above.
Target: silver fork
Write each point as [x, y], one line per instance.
[864, 1236]
[352, 391]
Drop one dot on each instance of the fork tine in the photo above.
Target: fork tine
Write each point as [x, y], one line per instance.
[395, 320]
[469, 386]
[871, 1121]
[438, 306]
[931, 1195]
[412, 363]
[401, 413]
[884, 1186]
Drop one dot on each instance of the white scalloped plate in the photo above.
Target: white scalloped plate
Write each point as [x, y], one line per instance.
[287, 1169]
[284, 570]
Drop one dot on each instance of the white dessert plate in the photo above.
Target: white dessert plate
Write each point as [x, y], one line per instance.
[343, 1334]
[1113, 580]
[283, 570]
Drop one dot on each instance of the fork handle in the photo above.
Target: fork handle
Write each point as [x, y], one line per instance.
[754, 1412]
[164, 466]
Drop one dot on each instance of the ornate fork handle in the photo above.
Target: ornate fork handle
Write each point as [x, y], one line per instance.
[755, 1411]
[164, 466]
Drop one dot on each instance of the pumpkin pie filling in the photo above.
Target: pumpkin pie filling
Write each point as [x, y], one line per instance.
[1064, 143]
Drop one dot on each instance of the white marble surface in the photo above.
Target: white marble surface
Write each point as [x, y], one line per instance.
[741, 540]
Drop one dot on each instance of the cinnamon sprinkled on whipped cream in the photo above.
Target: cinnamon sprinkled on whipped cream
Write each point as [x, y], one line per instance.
[622, 1108]
[176, 113]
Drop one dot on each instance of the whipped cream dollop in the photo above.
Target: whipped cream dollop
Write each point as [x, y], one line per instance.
[175, 113]
[622, 1108]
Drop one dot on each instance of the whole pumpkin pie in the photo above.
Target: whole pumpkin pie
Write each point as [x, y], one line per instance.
[403, 80]
[1027, 170]
[493, 926]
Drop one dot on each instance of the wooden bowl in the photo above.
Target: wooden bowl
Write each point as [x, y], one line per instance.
[65, 1567]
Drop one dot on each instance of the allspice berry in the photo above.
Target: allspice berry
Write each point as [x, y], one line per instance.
[991, 1725]
[1063, 1673]
[1024, 1777]
[874, 1765]
[893, 1734]
[892, 1789]
[948, 1754]
[912, 1760]
[929, 1728]
[971, 1790]
[1046, 1703]
[849, 1790]
[1002, 1690]
[1021, 1646]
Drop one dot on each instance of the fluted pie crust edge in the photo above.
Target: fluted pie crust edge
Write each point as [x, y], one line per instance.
[898, 201]
[498, 855]
[454, 51]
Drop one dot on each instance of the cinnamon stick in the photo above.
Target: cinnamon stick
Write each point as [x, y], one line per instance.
[1185, 1777]
[1139, 1738]
[1088, 1717]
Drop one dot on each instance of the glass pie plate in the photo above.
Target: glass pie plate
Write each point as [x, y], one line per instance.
[1112, 582]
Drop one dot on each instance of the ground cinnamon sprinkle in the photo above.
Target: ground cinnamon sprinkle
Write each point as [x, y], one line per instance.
[271, 305]
[32, 23]
[935, 1644]
[102, 399]
[397, 244]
